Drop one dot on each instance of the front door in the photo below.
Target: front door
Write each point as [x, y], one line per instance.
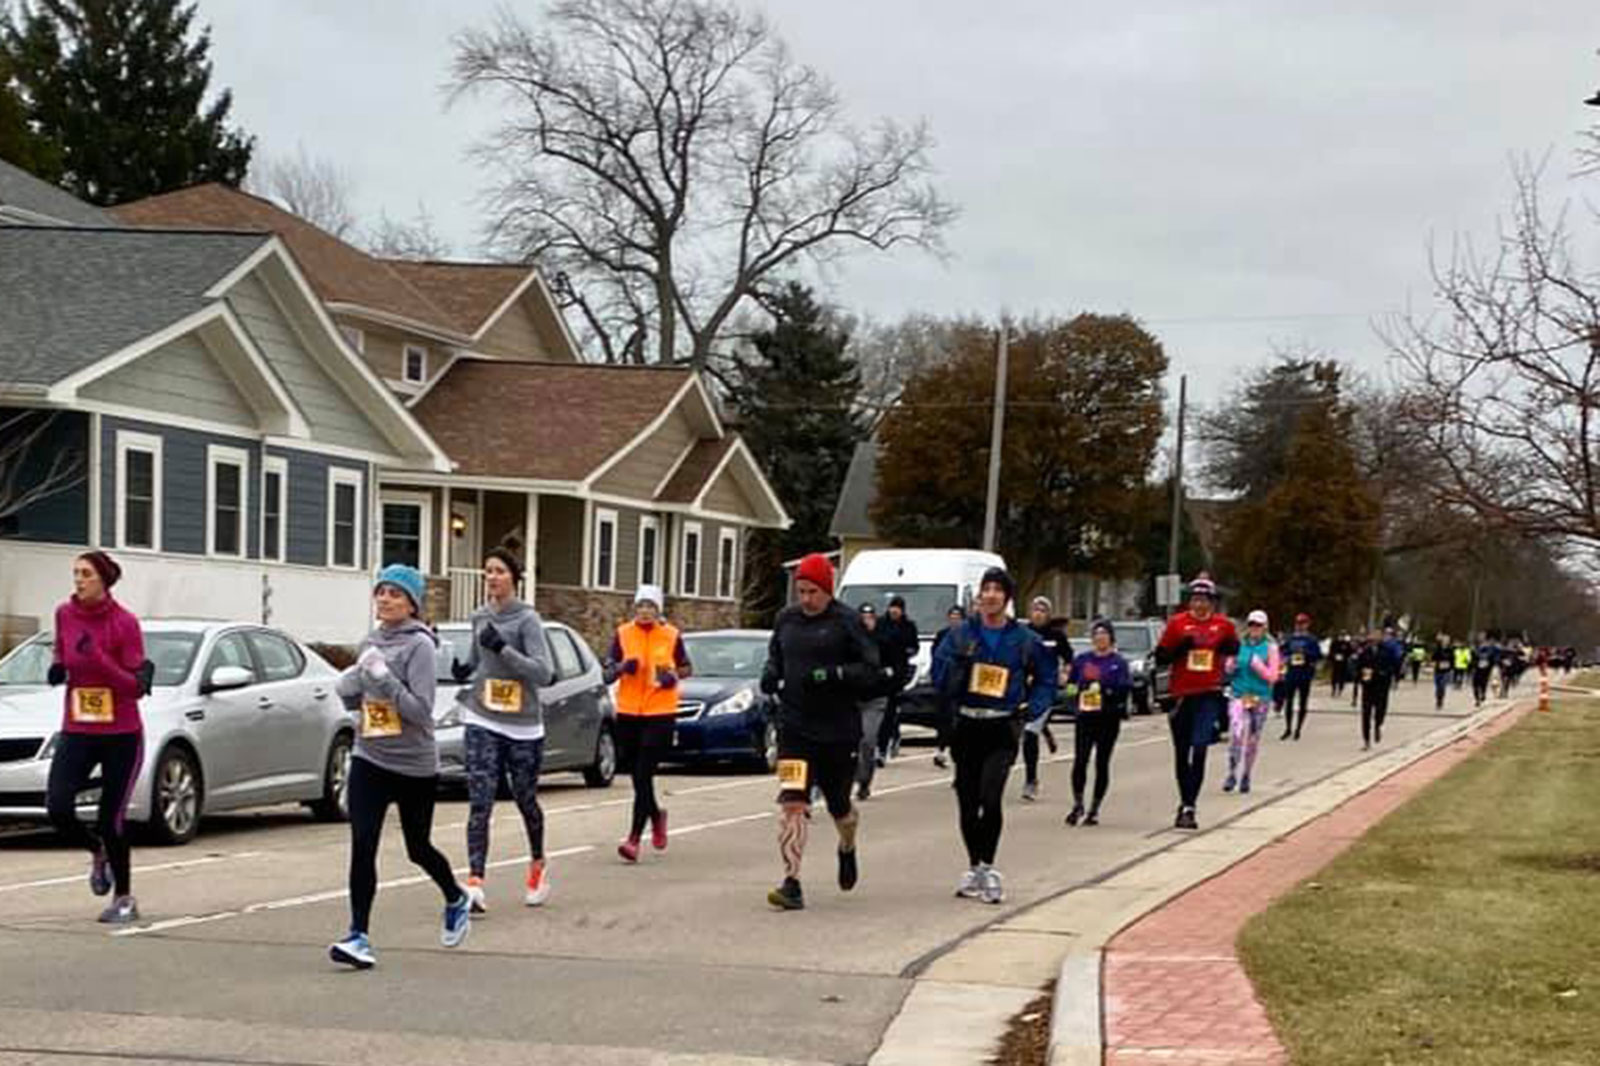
[464, 535]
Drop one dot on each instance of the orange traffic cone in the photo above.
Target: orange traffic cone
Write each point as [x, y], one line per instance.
[1544, 690]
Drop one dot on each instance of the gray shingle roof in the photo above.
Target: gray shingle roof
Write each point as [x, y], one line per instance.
[22, 190]
[71, 296]
[851, 517]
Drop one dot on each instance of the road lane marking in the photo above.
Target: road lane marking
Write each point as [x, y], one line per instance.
[183, 864]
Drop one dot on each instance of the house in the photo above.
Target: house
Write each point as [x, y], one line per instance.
[602, 477]
[184, 399]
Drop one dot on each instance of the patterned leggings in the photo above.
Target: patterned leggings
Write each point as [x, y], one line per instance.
[1244, 735]
[489, 756]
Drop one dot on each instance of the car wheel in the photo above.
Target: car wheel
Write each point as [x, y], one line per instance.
[334, 806]
[767, 747]
[603, 770]
[176, 800]
[1141, 701]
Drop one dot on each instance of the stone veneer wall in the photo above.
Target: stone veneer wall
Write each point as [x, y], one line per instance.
[596, 615]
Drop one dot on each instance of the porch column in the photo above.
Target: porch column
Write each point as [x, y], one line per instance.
[530, 548]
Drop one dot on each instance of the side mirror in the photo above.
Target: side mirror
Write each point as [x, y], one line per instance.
[224, 678]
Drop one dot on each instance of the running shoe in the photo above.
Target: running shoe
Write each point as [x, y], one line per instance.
[863, 791]
[941, 760]
[354, 950]
[1050, 740]
[628, 850]
[123, 911]
[457, 922]
[894, 748]
[849, 872]
[1030, 791]
[538, 884]
[1177, 823]
[100, 873]
[787, 896]
[994, 889]
[1092, 818]
[658, 830]
[1244, 786]
[1075, 815]
[1186, 819]
[1230, 784]
[971, 886]
[476, 895]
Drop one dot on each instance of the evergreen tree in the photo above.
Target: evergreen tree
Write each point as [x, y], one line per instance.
[795, 396]
[118, 87]
[19, 145]
[1246, 438]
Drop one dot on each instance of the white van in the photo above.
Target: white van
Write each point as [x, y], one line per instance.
[931, 580]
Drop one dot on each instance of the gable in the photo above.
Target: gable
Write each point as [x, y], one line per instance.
[726, 496]
[181, 377]
[516, 335]
[650, 462]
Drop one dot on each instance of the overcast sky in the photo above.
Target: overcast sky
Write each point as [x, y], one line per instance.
[1239, 175]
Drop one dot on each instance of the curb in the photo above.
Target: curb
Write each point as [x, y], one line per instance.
[1077, 1023]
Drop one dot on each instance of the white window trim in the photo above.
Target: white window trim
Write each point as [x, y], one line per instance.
[341, 476]
[129, 441]
[726, 535]
[405, 364]
[275, 464]
[698, 531]
[216, 455]
[422, 500]
[649, 521]
[604, 516]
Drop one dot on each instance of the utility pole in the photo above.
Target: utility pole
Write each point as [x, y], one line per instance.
[1177, 476]
[996, 438]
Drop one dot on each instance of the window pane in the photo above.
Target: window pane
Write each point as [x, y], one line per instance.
[138, 499]
[416, 364]
[605, 552]
[280, 660]
[647, 553]
[568, 666]
[226, 517]
[230, 651]
[402, 534]
[344, 525]
[141, 475]
[691, 563]
[139, 525]
[272, 514]
[725, 573]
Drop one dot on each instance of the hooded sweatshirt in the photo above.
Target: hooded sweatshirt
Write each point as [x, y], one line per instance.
[503, 696]
[1256, 669]
[394, 713]
[101, 646]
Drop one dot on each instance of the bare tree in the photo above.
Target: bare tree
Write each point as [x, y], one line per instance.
[314, 188]
[662, 157]
[27, 475]
[1502, 388]
[416, 239]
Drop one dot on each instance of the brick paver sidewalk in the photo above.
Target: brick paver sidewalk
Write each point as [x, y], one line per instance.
[1174, 990]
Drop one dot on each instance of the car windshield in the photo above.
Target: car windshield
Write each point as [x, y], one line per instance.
[171, 651]
[712, 656]
[1133, 640]
[925, 604]
[454, 644]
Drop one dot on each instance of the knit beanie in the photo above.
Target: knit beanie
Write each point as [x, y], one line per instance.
[816, 569]
[110, 573]
[408, 580]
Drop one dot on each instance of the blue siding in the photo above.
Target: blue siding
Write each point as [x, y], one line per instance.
[62, 518]
[183, 484]
[307, 523]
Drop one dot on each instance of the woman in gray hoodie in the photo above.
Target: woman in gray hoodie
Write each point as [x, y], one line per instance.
[508, 664]
[390, 689]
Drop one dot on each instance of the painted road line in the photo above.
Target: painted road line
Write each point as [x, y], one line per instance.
[184, 864]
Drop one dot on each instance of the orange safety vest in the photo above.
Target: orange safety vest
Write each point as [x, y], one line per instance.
[654, 648]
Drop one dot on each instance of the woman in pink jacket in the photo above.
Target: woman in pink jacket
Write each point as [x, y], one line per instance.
[1255, 671]
[99, 656]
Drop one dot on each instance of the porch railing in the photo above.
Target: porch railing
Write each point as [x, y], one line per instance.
[467, 593]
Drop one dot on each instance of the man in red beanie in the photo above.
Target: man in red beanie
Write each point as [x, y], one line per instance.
[821, 664]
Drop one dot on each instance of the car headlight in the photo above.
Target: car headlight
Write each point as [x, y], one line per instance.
[737, 703]
[449, 718]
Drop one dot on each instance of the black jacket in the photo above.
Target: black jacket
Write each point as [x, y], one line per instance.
[1053, 638]
[820, 667]
[899, 643]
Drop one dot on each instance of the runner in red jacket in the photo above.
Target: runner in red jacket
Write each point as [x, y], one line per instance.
[1197, 644]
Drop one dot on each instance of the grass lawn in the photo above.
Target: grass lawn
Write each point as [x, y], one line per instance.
[1464, 929]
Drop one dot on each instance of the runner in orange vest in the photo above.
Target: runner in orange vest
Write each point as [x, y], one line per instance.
[647, 660]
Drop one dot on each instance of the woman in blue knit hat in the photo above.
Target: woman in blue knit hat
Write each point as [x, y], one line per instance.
[396, 760]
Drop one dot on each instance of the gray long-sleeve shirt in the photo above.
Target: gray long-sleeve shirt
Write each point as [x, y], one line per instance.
[503, 694]
[394, 714]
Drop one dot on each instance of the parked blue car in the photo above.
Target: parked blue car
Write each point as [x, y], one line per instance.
[722, 713]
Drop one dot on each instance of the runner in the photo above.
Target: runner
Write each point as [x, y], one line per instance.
[1483, 663]
[1463, 664]
[1513, 661]
[1196, 644]
[1340, 652]
[646, 661]
[99, 656]
[820, 664]
[1255, 672]
[1052, 634]
[1444, 657]
[1303, 653]
[1102, 680]
[944, 713]
[997, 673]
[391, 688]
[1417, 655]
[901, 641]
[1377, 667]
[873, 706]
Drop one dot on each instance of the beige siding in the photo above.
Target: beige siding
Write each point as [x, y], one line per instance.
[180, 378]
[711, 551]
[334, 418]
[650, 461]
[727, 496]
[560, 557]
[515, 335]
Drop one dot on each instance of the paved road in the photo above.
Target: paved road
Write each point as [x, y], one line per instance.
[677, 960]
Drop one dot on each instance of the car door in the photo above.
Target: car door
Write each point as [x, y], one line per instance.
[233, 727]
[587, 706]
[296, 714]
[560, 743]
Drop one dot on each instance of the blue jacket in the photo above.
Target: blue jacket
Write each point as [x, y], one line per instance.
[1030, 668]
[1303, 644]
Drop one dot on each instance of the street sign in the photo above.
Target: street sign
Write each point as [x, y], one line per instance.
[1169, 590]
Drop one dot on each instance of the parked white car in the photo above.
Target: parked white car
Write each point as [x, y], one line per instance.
[240, 716]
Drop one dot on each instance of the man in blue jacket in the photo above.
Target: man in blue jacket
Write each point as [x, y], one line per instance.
[997, 675]
[1301, 654]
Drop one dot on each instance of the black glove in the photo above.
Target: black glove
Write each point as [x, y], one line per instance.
[630, 667]
[770, 682]
[1185, 645]
[147, 677]
[489, 637]
[666, 677]
[460, 671]
[57, 674]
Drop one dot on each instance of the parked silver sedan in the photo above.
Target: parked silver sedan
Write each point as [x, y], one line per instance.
[240, 716]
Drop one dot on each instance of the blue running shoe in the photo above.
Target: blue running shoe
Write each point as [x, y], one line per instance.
[457, 922]
[354, 950]
[100, 874]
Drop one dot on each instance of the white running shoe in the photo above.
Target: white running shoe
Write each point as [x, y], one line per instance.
[538, 884]
[971, 886]
[476, 896]
[994, 890]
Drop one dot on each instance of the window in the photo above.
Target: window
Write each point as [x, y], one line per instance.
[231, 650]
[407, 518]
[138, 491]
[605, 549]
[227, 499]
[344, 519]
[727, 558]
[565, 655]
[274, 504]
[649, 549]
[354, 338]
[280, 660]
[416, 368]
[689, 568]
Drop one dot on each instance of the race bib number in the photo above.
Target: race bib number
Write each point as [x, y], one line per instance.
[502, 697]
[1202, 660]
[792, 774]
[1366, 673]
[93, 705]
[1297, 659]
[379, 719]
[1089, 699]
[989, 680]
